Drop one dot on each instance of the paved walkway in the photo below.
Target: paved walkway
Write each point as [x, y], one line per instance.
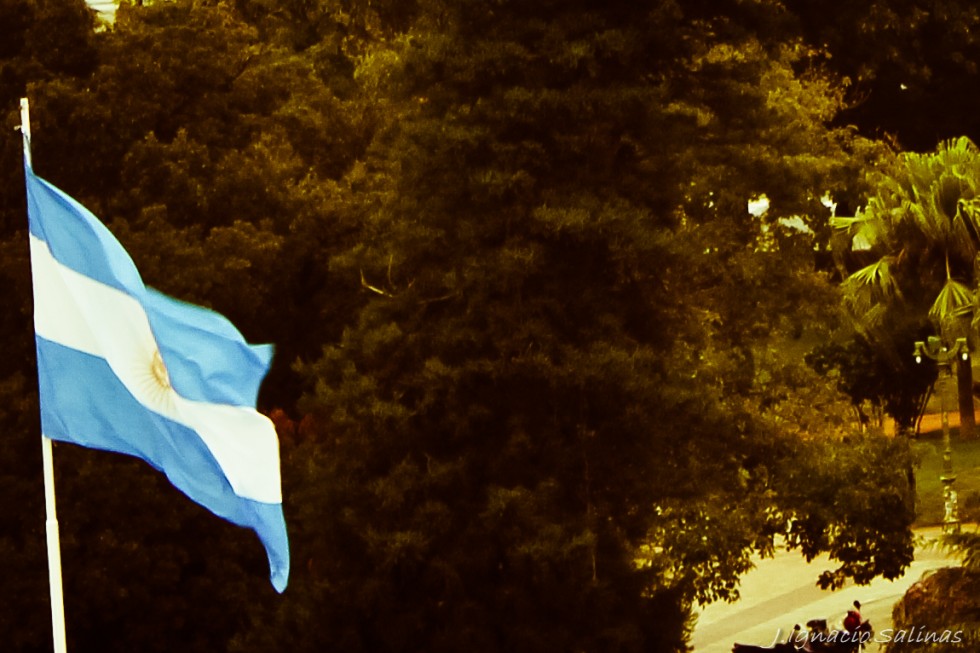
[782, 591]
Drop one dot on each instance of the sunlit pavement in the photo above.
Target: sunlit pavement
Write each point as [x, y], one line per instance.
[782, 591]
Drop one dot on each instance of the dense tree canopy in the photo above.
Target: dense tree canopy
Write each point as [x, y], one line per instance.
[532, 348]
[911, 64]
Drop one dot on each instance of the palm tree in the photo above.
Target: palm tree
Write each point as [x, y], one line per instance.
[917, 242]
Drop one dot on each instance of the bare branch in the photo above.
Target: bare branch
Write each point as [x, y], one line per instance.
[374, 289]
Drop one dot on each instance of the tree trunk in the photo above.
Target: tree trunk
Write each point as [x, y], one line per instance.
[964, 378]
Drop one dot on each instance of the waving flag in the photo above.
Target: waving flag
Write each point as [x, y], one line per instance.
[124, 368]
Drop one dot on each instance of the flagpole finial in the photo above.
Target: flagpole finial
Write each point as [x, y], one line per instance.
[25, 130]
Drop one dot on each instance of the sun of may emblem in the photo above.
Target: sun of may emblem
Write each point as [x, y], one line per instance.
[159, 370]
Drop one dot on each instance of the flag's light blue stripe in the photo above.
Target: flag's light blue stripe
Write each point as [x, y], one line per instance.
[219, 368]
[204, 353]
[77, 238]
[85, 403]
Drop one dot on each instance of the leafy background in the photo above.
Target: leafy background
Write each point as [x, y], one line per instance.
[540, 378]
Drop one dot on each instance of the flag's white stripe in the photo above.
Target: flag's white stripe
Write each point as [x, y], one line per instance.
[78, 312]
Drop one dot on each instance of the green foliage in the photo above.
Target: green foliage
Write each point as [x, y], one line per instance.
[504, 252]
[945, 600]
[894, 386]
[919, 229]
[915, 247]
[938, 614]
[24, 606]
[842, 518]
[818, 487]
[929, 454]
[911, 64]
[969, 507]
[528, 447]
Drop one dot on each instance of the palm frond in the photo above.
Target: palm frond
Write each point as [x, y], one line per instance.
[870, 286]
[878, 274]
[947, 191]
[967, 545]
[925, 210]
[966, 227]
[928, 221]
[840, 222]
[863, 230]
[955, 300]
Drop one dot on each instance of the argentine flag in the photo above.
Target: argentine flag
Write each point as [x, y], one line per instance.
[124, 368]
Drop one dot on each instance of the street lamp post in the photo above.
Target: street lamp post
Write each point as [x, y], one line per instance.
[944, 357]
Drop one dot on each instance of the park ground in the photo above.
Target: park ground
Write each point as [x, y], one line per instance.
[781, 591]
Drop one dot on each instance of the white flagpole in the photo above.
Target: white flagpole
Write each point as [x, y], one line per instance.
[54, 553]
[51, 524]
[25, 130]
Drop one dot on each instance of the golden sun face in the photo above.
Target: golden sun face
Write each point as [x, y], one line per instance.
[153, 386]
[159, 370]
